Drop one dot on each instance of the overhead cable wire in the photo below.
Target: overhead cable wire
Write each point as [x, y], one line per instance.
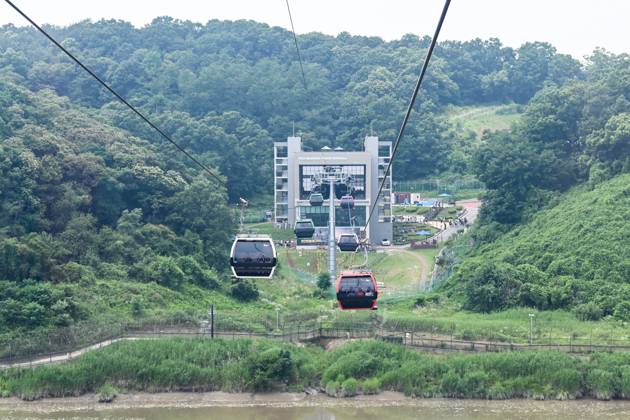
[118, 96]
[410, 107]
[297, 47]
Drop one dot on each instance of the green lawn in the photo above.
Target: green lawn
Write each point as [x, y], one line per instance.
[417, 210]
[448, 213]
[395, 268]
[480, 118]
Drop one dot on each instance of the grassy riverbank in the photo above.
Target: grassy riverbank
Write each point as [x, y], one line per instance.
[358, 367]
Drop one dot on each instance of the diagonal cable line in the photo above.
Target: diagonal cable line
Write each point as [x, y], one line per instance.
[410, 107]
[297, 48]
[118, 96]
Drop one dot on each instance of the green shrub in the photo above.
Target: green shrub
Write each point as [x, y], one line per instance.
[568, 382]
[356, 364]
[165, 271]
[475, 384]
[622, 311]
[588, 311]
[498, 392]
[107, 393]
[601, 383]
[269, 367]
[323, 282]
[332, 388]
[349, 387]
[371, 386]
[244, 291]
[4, 391]
[624, 382]
[452, 385]
[136, 307]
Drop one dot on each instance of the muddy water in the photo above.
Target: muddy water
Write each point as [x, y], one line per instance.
[314, 409]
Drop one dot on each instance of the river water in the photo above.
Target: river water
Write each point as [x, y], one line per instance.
[322, 409]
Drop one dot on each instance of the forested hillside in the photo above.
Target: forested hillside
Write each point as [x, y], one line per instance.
[81, 200]
[575, 253]
[231, 88]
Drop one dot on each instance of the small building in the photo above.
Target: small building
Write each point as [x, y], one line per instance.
[402, 198]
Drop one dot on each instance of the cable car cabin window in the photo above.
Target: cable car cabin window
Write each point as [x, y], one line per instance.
[253, 258]
[356, 292]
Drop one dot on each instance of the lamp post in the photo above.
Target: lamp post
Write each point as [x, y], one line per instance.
[531, 328]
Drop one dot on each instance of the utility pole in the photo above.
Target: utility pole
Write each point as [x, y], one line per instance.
[332, 245]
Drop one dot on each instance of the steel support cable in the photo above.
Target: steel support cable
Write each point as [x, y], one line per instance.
[410, 107]
[297, 48]
[118, 96]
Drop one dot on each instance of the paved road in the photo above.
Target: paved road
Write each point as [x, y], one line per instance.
[472, 211]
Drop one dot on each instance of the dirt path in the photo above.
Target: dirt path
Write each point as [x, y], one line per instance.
[424, 269]
[424, 262]
[289, 258]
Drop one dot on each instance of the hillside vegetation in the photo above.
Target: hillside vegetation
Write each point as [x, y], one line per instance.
[366, 367]
[573, 255]
[553, 229]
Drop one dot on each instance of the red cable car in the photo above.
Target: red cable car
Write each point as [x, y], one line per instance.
[357, 290]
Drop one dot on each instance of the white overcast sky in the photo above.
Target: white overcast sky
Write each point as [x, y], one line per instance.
[573, 26]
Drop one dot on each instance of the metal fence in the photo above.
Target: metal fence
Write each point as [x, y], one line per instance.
[435, 185]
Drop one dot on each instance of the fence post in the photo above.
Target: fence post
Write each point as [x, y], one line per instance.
[212, 321]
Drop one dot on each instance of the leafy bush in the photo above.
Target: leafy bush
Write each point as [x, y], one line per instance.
[568, 382]
[588, 311]
[271, 366]
[332, 388]
[602, 384]
[196, 274]
[244, 291]
[349, 387]
[357, 364]
[323, 282]
[107, 393]
[371, 386]
[166, 272]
